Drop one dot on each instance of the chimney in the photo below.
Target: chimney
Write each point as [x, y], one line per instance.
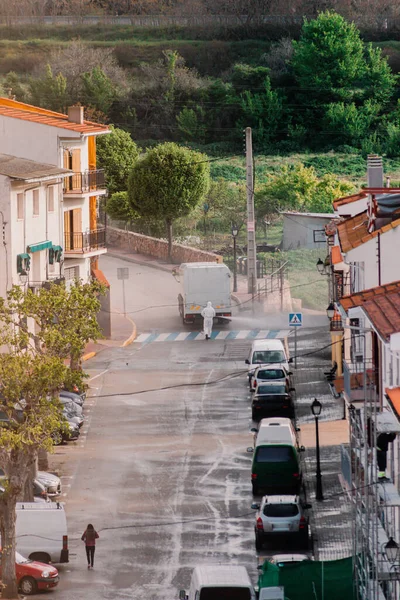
[75, 114]
[375, 171]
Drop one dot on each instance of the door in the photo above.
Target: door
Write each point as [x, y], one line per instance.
[77, 228]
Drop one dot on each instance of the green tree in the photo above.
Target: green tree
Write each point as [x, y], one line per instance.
[245, 77]
[98, 90]
[119, 207]
[190, 124]
[116, 154]
[378, 80]
[349, 123]
[262, 111]
[168, 183]
[329, 57]
[49, 91]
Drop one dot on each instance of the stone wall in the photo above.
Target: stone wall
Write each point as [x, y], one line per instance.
[144, 244]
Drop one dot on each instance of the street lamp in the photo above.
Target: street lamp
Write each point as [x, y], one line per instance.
[320, 267]
[330, 311]
[23, 277]
[235, 232]
[391, 550]
[316, 408]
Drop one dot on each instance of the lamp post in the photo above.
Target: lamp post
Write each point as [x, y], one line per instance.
[391, 550]
[330, 311]
[316, 408]
[235, 231]
[321, 267]
[23, 277]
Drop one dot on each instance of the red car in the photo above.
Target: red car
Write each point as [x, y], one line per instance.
[33, 576]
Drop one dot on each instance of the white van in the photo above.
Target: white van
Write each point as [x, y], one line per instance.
[219, 582]
[267, 352]
[276, 430]
[41, 531]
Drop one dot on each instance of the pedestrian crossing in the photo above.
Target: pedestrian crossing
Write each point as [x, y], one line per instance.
[192, 336]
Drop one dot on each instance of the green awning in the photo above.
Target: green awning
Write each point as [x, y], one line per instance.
[57, 248]
[39, 246]
[23, 256]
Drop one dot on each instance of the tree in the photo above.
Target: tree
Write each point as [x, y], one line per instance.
[262, 111]
[98, 90]
[116, 154]
[49, 91]
[168, 183]
[119, 207]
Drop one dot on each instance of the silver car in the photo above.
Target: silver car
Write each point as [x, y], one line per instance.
[270, 374]
[51, 482]
[278, 516]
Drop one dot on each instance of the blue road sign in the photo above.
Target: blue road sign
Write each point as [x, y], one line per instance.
[295, 319]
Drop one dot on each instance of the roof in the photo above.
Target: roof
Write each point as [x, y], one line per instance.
[29, 170]
[306, 214]
[220, 575]
[349, 199]
[353, 231]
[271, 344]
[359, 298]
[336, 255]
[384, 313]
[279, 499]
[275, 431]
[27, 112]
[394, 398]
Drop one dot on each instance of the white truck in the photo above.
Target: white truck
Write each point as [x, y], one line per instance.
[219, 582]
[204, 282]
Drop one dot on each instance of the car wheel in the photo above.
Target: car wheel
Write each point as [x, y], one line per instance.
[255, 489]
[28, 586]
[254, 415]
[304, 541]
[258, 543]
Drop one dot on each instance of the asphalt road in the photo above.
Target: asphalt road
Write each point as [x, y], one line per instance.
[163, 474]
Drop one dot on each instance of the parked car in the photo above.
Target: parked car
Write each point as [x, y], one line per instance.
[266, 352]
[73, 407]
[284, 559]
[270, 374]
[51, 483]
[280, 516]
[39, 491]
[272, 400]
[69, 432]
[77, 398]
[33, 576]
[74, 388]
[70, 414]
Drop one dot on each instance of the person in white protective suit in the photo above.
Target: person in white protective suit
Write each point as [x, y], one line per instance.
[208, 314]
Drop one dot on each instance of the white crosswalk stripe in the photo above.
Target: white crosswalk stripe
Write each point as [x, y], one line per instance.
[253, 334]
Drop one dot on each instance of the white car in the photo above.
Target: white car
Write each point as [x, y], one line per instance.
[51, 482]
[278, 516]
[283, 559]
[271, 374]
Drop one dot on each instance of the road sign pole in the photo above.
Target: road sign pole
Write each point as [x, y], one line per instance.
[295, 347]
[123, 296]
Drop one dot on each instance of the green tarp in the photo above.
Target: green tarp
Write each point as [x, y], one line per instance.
[311, 580]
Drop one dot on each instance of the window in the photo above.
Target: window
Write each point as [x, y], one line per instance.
[71, 273]
[274, 454]
[20, 207]
[281, 510]
[268, 357]
[271, 389]
[266, 374]
[50, 199]
[35, 203]
[225, 593]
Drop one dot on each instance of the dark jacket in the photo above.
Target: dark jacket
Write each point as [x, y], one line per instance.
[90, 536]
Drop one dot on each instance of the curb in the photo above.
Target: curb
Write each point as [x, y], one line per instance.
[140, 262]
[124, 344]
[88, 356]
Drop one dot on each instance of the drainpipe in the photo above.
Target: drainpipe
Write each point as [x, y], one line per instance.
[29, 189]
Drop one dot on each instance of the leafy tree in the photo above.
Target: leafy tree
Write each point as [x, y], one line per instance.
[349, 123]
[168, 183]
[49, 91]
[98, 90]
[262, 111]
[13, 86]
[378, 80]
[246, 77]
[190, 124]
[116, 154]
[118, 207]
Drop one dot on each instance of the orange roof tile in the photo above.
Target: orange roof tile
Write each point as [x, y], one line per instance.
[353, 231]
[384, 313]
[359, 298]
[27, 112]
[394, 398]
[336, 255]
[349, 199]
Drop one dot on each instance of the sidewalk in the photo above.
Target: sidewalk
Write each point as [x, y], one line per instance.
[123, 333]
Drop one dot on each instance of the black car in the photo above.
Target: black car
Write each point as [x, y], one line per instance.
[272, 400]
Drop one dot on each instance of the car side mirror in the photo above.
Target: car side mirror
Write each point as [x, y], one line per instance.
[298, 429]
[290, 372]
[302, 449]
[252, 391]
[307, 506]
[292, 389]
[247, 362]
[250, 450]
[290, 360]
[253, 430]
[255, 506]
[182, 595]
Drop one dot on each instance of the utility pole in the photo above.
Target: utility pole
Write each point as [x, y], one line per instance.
[251, 230]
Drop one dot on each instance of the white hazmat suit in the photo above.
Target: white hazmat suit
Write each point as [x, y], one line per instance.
[208, 314]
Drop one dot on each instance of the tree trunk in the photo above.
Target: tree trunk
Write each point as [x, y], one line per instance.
[27, 491]
[7, 529]
[169, 236]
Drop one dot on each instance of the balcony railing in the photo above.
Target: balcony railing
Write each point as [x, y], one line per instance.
[89, 181]
[354, 374]
[81, 242]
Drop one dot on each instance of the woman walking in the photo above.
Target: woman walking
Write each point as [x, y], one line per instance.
[90, 536]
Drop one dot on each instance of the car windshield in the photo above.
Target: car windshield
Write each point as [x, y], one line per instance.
[274, 454]
[268, 357]
[266, 374]
[225, 593]
[271, 389]
[281, 510]
[20, 560]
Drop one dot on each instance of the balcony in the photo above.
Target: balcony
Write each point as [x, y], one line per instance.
[355, 387]
[82, 183]
[88, 242]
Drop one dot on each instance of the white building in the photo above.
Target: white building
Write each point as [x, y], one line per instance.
[31, 222]
[65, 141]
